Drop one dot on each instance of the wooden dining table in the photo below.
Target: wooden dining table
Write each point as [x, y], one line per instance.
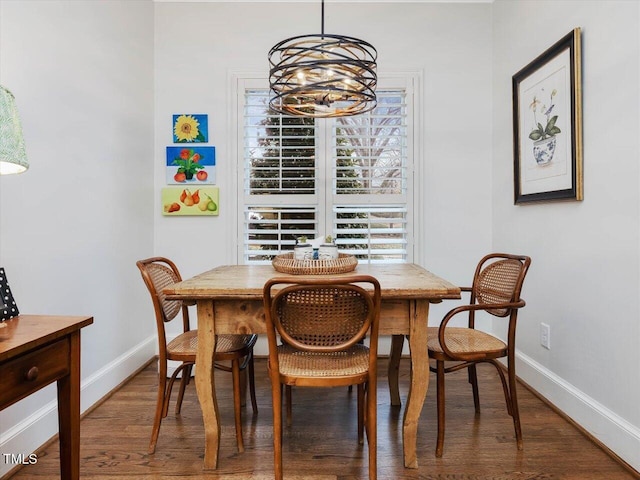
[229, 300]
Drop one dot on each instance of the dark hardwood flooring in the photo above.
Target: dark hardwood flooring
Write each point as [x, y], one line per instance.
[322, 442]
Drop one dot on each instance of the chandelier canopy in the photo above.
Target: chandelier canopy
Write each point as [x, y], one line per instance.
[322, 75]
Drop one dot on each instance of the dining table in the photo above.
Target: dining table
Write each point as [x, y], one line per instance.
[229, 301]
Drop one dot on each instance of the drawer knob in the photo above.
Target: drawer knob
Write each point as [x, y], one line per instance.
[32, 374]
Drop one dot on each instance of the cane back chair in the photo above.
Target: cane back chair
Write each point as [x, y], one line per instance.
[320, 322]
[159, 273]
[496, 289]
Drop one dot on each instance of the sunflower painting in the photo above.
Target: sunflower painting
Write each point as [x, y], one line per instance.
[190, 128]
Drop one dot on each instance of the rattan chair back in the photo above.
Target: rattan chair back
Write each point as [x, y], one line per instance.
[160, 273]
[499, 279]
[322, 318]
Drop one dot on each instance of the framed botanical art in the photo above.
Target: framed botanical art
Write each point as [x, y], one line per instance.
[547, 125]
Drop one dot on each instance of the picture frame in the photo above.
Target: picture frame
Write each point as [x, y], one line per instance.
[547, 125]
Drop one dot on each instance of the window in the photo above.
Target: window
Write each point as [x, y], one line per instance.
[349, 177]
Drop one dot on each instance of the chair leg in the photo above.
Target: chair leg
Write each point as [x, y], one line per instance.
[186, 376]
[505, 388]
[393, 369]
[473, 380]
[440, 405]
[511, 397]
[160, 403]
[276, 394]
[371, 422]
[237, 403]
[288, 401]
[252, 385]
[243, 386]
[361, 412]
[515, 413]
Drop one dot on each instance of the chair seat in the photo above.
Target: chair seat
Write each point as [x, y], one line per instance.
[351, 362]
[185, 345]
[232, 343]
[465, 340]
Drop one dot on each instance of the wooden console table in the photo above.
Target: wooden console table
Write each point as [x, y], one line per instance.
[36, 350]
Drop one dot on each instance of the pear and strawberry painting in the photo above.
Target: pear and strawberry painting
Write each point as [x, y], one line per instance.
[177, 201]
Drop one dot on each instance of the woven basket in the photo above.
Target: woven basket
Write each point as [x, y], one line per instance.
[285, 263]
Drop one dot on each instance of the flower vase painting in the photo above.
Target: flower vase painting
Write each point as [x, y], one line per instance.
[191, 165]
[190, 128]
[547, 120]
[544, 136]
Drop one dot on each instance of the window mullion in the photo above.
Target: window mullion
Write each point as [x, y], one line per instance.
[324, 150]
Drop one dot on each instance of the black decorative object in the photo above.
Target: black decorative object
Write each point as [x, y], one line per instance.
[322, 75]
[8, 307]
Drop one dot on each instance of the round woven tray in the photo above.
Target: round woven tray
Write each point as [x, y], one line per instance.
[285, 263]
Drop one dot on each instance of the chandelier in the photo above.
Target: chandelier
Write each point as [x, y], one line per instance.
[322, 75]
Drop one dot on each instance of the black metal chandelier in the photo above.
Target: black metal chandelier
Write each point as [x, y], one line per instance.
[322, 75]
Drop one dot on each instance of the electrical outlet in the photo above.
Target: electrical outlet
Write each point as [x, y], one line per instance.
[545, 335]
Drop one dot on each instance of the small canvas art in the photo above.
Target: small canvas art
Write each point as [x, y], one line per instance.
[177, 201]
[195, 165]
[190, 128]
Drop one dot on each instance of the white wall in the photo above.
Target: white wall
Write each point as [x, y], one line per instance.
[448, 44]
[584, 277]
[73, 225]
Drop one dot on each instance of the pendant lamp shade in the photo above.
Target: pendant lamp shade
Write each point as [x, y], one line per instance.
[13, 155]
[322, 75]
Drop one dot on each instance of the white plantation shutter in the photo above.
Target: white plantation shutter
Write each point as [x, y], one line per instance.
[370, 164]
[270, 230]
[347, 177]
[279, 151]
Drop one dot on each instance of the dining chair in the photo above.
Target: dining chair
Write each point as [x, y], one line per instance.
[320, 322]
[496, 288]
[159, 273]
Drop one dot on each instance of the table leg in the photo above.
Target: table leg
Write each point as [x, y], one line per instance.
[419, 314]
[205, 383]
[395, 354]
[69, 413]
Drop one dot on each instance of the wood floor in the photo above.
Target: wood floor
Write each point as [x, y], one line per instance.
[322, 442]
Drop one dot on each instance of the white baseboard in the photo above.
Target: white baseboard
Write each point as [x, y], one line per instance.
[610, 429]
[32, 432]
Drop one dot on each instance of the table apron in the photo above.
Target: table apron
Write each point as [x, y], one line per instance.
[247, 316]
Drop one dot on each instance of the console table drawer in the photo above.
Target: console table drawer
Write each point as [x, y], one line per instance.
[27, 373]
